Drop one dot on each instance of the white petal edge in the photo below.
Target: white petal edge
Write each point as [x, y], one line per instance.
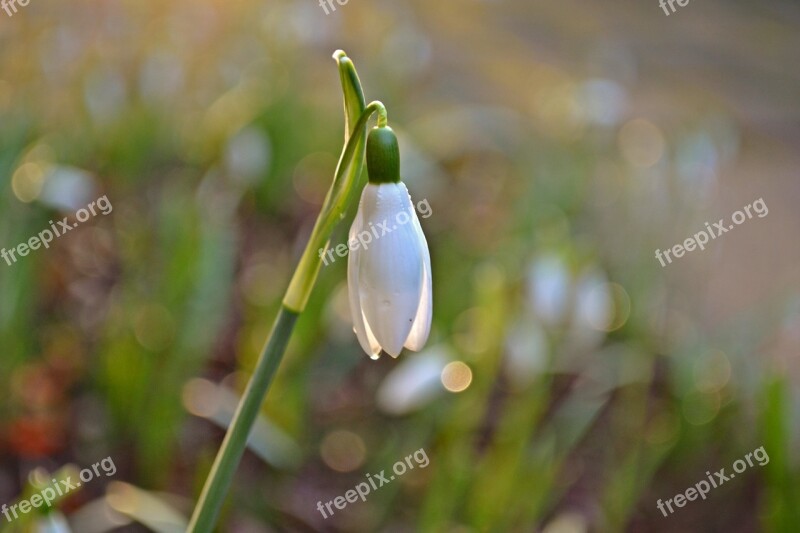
[422, 322]
[364, 334]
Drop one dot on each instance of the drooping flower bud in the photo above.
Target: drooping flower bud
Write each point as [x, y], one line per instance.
[389, 267]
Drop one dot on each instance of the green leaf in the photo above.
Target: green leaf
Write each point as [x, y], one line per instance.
[354, 102]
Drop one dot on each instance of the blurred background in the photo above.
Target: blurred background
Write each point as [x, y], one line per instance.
[570, 380]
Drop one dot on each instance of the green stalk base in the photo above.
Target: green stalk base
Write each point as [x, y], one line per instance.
[229, 455]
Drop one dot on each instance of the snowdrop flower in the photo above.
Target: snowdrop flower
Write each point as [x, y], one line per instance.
[389, 276]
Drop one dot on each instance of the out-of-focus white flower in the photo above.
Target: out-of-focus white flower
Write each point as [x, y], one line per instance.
[54, 522]
[414, 382]
[526, 352]
[549, 286]
[389, 267]
[67, 188]
[604, 101]
[594, 303]
[248, 154]
[569, 522]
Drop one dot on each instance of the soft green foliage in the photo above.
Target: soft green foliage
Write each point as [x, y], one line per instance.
[215, 129]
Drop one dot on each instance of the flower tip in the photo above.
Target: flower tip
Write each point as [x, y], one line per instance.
[340, 55]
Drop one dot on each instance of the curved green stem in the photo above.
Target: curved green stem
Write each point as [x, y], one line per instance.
[347, 173]
[338, 197]
[383, 116]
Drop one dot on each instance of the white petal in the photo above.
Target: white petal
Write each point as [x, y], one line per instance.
[365, 337]
[422, 322]
[391, 268]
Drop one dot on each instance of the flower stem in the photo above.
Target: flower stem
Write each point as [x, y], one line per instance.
[347, 173]
[383, 117]
[338, 196]
[219, 479]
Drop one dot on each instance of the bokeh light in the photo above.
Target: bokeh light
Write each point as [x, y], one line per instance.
[569, 380]
[456, 376]
[343, 451]
[641, 143]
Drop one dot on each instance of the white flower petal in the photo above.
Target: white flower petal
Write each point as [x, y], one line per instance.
[373, 341]
[365, 336]
[391, 268]
[422, 322]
